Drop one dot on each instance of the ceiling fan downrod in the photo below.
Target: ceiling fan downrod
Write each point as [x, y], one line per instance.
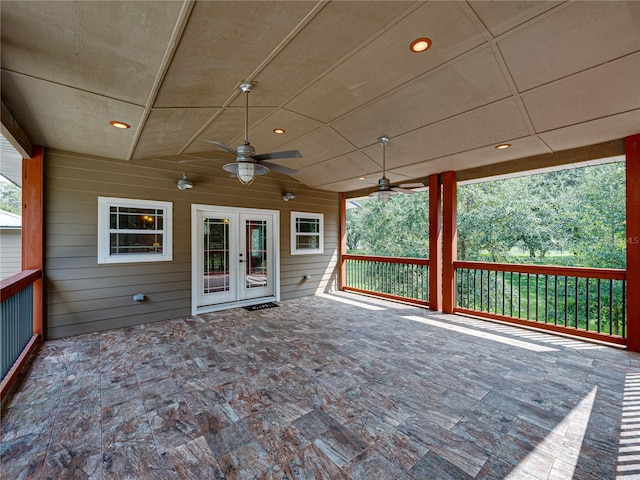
[246, 88]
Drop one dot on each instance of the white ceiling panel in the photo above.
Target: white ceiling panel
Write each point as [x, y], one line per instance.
[319, 145]
[163, 131]
[228, 128]
[573, 39]
[327, 39]
[347, 166]
[386, 62]
[224, 42]
[472, 82]
[500, 17]
[522, 147]
[108, 48]
[599, 92]
[490, 125]
[59, 127]
[594, 131]
[261, 134]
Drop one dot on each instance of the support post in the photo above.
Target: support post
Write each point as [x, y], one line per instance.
[33, 229]
[435, 243]
[449, 240]
[632, 149]
[343, 241]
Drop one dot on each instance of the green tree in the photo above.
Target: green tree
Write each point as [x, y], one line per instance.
[10, 198]
[398, 228]
[599, 217]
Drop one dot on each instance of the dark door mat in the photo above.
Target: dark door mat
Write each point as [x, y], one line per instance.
[260, 306]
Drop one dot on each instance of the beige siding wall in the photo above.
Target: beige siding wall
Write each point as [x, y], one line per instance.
[83, 296]
[10, 252]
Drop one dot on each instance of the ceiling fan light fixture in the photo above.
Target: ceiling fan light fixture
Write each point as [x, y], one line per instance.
[245, 171]
[421, 44]
[383, 195]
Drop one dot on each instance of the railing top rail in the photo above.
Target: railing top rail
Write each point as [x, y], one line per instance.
[378, 258]
[13, 284]
[583, 272]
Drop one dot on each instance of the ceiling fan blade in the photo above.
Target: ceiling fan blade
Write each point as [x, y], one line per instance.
[190, 160]
[223, 146]
[412, 185]
[278, 155]
[403, 190]
[278, 168]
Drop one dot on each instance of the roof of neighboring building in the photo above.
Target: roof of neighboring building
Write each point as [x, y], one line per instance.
[10, 220]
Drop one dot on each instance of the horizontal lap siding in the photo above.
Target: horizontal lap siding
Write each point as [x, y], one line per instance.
[10, 252]
[85, 297]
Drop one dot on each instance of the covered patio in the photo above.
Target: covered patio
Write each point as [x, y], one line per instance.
[329, 386]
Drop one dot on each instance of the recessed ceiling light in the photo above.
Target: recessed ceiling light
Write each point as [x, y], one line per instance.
[502, 146]
[420, 44]
[119, 124]
[278, 130]
[362, 178]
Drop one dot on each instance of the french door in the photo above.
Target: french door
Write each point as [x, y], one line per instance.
[235, 257]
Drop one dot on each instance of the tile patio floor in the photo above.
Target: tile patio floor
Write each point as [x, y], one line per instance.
[322, 389]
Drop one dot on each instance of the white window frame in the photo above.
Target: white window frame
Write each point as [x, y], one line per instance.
[294, 233]
[104, 208]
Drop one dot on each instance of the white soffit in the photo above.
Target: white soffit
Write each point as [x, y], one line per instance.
[386, 62]
[58, 127]
[593, 132]
[599, 92]
[106, 48]
[570, 40]
[164, 130]
[469, 83]
[348, 166]
[500, 17]
[220, 46]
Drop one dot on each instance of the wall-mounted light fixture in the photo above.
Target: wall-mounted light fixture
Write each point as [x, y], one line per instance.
[288, 195]
[183, 183]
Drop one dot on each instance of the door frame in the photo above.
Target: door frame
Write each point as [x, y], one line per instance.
[196, 208]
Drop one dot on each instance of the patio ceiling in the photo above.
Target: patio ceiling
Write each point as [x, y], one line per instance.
[542, 76]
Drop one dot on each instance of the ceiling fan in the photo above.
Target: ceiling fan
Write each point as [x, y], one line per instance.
[248, 165]
[385, 189]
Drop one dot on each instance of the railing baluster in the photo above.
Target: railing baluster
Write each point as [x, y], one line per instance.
[528, 317]
[610, 307]
[519, 295]
[469, 281]
[537, 288]
[555, 300]
[586, 307]
[503, 294]
[566, 298]
[546, 298]
[576, 325]
[598, 308]
[624, 309]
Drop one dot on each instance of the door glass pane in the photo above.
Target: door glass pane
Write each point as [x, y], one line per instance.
[256, 254]
[216, 255]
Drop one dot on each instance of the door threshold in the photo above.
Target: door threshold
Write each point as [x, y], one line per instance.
[228, 306]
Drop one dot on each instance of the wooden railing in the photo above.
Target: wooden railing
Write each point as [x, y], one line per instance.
[404, 279]
[589, 302]
[17, 338]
